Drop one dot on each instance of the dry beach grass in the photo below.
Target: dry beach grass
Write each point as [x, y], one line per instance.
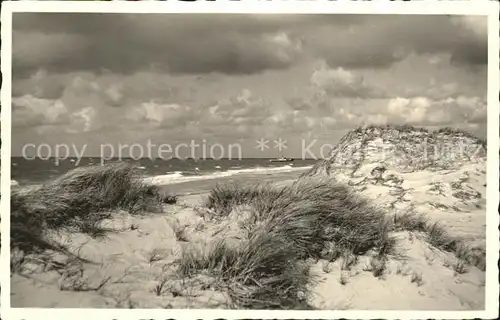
[79, 201]
[101, 237]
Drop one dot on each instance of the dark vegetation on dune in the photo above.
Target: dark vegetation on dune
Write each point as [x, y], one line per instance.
[310, 211]
[405, 128]
[78, 201]
[437, 236]
[313, 218]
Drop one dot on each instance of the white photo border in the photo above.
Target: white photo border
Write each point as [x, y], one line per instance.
[430, 7]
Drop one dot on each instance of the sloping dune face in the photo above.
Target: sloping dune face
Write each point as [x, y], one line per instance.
[404, 149]
[441, 173]
[438, 176]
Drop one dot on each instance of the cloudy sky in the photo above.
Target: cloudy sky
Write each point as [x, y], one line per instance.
[123, 78]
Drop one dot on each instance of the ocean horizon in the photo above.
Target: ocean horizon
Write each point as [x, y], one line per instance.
[158, 171]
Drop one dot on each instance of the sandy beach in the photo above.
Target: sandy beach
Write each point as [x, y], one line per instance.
[185, 189]
[135, 265]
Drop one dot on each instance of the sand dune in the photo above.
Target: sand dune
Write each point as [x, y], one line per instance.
[143, 260]
[132, 262]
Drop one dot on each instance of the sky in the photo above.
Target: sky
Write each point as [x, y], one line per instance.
[95, 82]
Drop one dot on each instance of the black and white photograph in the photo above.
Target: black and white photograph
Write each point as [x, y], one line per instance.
[250, 161]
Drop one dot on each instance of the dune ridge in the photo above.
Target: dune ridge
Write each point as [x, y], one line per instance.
[402, 148]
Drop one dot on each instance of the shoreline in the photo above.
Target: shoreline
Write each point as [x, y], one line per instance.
[184, 179]
[188, 188]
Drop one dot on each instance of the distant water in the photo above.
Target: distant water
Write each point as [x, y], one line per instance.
[158, 171]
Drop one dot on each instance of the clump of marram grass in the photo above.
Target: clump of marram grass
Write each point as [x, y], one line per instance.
[286, 226]
[264, 273]
[377, 266]
[310, 212]
[78, 201]
[410, 221]
[224, 197]
[315, 211]
[439, 238]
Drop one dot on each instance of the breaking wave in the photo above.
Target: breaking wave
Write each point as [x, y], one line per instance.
[179, 177]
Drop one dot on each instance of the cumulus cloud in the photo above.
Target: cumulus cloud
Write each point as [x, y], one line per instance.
[241, 115]
[336, 99]
[413, 111]
[426, 112]
[99, 104]
[339, 98]
[72, 105]
[339, 82]
[82, 121]
[160, 115]
[29, 111]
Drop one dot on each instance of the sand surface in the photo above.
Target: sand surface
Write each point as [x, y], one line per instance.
[134, 267]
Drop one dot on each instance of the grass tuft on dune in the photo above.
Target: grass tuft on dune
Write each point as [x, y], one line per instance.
[78, 201]
[224, 197]
[313, 218]
[438, 237]
[310, 212]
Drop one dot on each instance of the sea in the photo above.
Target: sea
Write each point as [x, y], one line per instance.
[188, 176]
